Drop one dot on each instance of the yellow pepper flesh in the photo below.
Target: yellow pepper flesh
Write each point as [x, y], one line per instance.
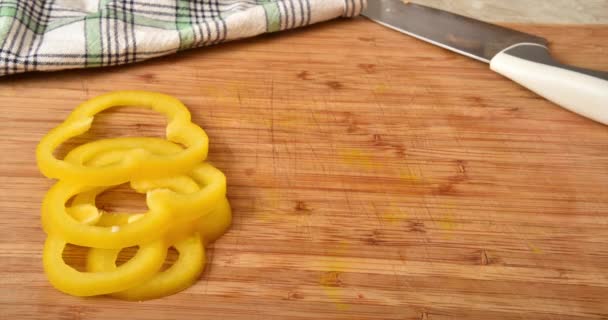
[146, 262]
[136, 163]
[187, 207]
[164, 203]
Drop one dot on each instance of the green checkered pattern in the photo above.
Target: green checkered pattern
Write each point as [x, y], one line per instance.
[46, 35]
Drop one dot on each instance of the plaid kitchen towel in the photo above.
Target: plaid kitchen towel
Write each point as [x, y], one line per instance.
[47, 35]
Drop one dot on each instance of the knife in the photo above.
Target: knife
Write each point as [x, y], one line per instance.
[521, 57]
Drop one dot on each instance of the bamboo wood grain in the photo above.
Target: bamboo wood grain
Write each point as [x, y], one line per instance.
[372, 176]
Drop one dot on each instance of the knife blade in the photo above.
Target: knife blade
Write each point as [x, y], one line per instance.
[522, 57]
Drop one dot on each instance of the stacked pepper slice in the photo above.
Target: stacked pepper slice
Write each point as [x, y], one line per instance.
[186, 199]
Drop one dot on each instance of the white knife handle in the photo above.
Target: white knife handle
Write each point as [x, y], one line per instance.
[579, 90]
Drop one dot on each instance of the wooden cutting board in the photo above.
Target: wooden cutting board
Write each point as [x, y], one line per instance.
[372, 176]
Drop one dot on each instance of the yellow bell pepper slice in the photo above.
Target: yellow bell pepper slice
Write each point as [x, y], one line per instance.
[189, 203]
[140, 274]
[84, 210]
[184, 272]
[215, 224]
[101, 153]
[105, 152]
[165, 207]
[190, 263]
[143, 266]
[137, 163]
[163, 203]
[102, 268]
[181, 275]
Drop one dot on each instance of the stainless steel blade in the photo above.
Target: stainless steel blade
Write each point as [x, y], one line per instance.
[473, 38]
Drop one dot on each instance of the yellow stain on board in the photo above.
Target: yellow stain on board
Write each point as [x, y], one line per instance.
[330, 280]
[268, 207]
[357, 158]
[289, 122]
[214, 91]
[447, 222]
[380, 88]
[257, 122]
[410, 176]
[342, 246]
[393, 214]
[227, 93]
[210, 90]
[330, 283]
[534, 249]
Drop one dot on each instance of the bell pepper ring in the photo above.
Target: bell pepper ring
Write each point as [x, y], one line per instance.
[102, 268]
[179, 276]
[210, 227]
[184, 271]
[84, 210]
[101, 153]
[105, 152]
[165, 196]
[137, 163]
[215, 224]
[187, 208]
[165, 206]
[109, 151]
[143, 266]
